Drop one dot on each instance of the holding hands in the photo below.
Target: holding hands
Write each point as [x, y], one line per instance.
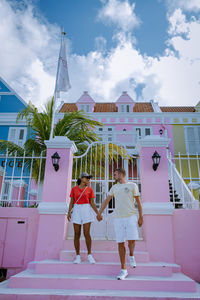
[99, 217]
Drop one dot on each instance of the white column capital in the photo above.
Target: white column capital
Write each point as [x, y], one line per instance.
[53, 208]
[19, 183]
[152, 141]
[157, 208]
[61, 142]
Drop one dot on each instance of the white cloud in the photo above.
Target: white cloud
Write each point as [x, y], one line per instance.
[188, 5]
[28, 59]
[119, 13]
[28, 51]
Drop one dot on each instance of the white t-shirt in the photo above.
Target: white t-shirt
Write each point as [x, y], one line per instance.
[124, 194]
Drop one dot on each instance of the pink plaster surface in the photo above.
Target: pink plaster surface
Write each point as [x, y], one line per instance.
[120, 127]
[149, 121]
[158, 234]
[121, 119]
[18, 237]
[186, 226]
[147, 284]
[101, 269]
[167, 120]
[130, 120]
[56, 186]
[18, 193]
[112, 120]
[124, 138]
[139, 120]
[103, 120]
[103, 256]
[158, 120]
[50, 236]
[151, 178]
[169, 130]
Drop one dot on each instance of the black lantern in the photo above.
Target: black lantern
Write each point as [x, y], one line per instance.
[55, 161]
[161, 131]
[156, 160]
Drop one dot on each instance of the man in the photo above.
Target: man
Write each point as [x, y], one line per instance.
[125, 222]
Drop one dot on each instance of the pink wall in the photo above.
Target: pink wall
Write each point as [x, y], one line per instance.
[186, 228]
[20, 237]
[62, 190]
[155, 185]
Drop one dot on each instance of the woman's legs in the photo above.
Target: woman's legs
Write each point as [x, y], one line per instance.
[88, 240]
[77, 234]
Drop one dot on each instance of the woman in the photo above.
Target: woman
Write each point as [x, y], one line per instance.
[82, 200]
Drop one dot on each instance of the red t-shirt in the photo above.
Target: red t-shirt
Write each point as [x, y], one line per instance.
[85, 198]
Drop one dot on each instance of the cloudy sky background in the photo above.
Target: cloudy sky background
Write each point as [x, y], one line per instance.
[118, 57]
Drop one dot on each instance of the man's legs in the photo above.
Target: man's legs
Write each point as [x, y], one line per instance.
[131, 245]
[122, 255]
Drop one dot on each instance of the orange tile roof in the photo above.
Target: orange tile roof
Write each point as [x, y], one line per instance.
[177, 108]
[105, 107]
[68, 107]
[143, 107]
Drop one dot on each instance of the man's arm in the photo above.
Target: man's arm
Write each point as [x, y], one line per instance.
[103, 206]
[139, 206]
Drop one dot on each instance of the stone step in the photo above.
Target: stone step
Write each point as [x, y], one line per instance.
[102, 245]
[145, 269]
[176, 283]
[102, 256]
[7, 293]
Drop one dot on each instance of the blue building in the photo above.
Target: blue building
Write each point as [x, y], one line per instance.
[10, 105]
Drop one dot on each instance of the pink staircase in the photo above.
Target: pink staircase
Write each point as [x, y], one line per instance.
[61, 279]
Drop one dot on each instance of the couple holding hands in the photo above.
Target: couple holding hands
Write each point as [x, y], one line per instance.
[125, 217]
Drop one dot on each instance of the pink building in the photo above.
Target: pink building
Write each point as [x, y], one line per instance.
[36, 247]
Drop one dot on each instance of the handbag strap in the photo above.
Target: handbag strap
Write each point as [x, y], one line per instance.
[81, 195]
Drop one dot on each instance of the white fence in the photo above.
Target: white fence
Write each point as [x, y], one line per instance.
[182, 170]
[21, 179]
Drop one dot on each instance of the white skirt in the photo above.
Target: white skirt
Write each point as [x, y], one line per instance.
[82, 214]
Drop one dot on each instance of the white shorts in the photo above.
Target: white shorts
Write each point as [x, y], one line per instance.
[126, 229]
[82, 213]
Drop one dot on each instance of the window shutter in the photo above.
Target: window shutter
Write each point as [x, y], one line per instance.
[191, 145]
[12, 136]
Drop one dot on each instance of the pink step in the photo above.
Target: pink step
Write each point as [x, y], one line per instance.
[57, 267]
[101, 245]
[102, 256]
[175, 283]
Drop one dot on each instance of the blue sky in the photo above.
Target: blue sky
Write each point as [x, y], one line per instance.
[82, 25]
[150, 48]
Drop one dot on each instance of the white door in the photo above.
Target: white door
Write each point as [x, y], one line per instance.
[100, 160]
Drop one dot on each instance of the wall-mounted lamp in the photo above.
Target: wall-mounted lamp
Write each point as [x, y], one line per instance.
[161, 131]
[156, 160]
[55, 161]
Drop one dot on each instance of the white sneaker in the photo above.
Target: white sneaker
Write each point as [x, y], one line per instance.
[77, 259]
[91, 259]
[132, 261]
[122, 275]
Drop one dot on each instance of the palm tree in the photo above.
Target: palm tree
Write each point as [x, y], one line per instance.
[77, 126]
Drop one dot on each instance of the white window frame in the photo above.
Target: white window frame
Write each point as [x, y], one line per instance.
[196, 139]
[142, 130]
[123, 108]
[105, 134]
[85, 107]
[16, 139]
